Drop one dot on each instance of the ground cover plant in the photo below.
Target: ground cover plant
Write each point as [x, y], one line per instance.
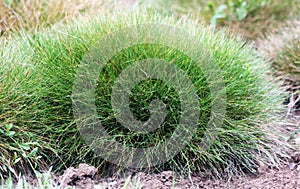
[36, 86]
[282, 48]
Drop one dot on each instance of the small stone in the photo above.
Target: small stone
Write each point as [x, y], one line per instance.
[69, 176]
[81, 177]
[85, 170]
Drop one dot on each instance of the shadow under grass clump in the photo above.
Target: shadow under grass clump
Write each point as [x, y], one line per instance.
[44, 72]
[282, 48]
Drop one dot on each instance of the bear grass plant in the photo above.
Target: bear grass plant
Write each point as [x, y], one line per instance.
[37, 75]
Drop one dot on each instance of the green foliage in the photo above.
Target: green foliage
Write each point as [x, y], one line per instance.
[234, 9]
[43, 181]
[21, 147]
[37, 74]
[229, 10]
[18, 147]
[218, 14]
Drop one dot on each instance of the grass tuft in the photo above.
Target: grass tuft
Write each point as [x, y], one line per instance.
[36, 84]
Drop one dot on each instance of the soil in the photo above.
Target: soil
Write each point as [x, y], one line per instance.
[287, 177]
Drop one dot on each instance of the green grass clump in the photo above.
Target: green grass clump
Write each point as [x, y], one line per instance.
[36, 87]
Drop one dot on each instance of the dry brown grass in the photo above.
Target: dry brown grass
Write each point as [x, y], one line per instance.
[33, 14]
[282, 48]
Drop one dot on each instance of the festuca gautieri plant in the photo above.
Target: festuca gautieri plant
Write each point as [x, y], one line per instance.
[42, 78]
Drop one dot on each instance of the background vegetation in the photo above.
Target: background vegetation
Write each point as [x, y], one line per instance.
[250, 18]
[282, 48]
[35, 14]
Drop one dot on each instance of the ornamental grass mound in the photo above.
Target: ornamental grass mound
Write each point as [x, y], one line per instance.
[38, 127]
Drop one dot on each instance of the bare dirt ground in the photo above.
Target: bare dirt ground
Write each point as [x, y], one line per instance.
[288, 177]
[285, 179]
